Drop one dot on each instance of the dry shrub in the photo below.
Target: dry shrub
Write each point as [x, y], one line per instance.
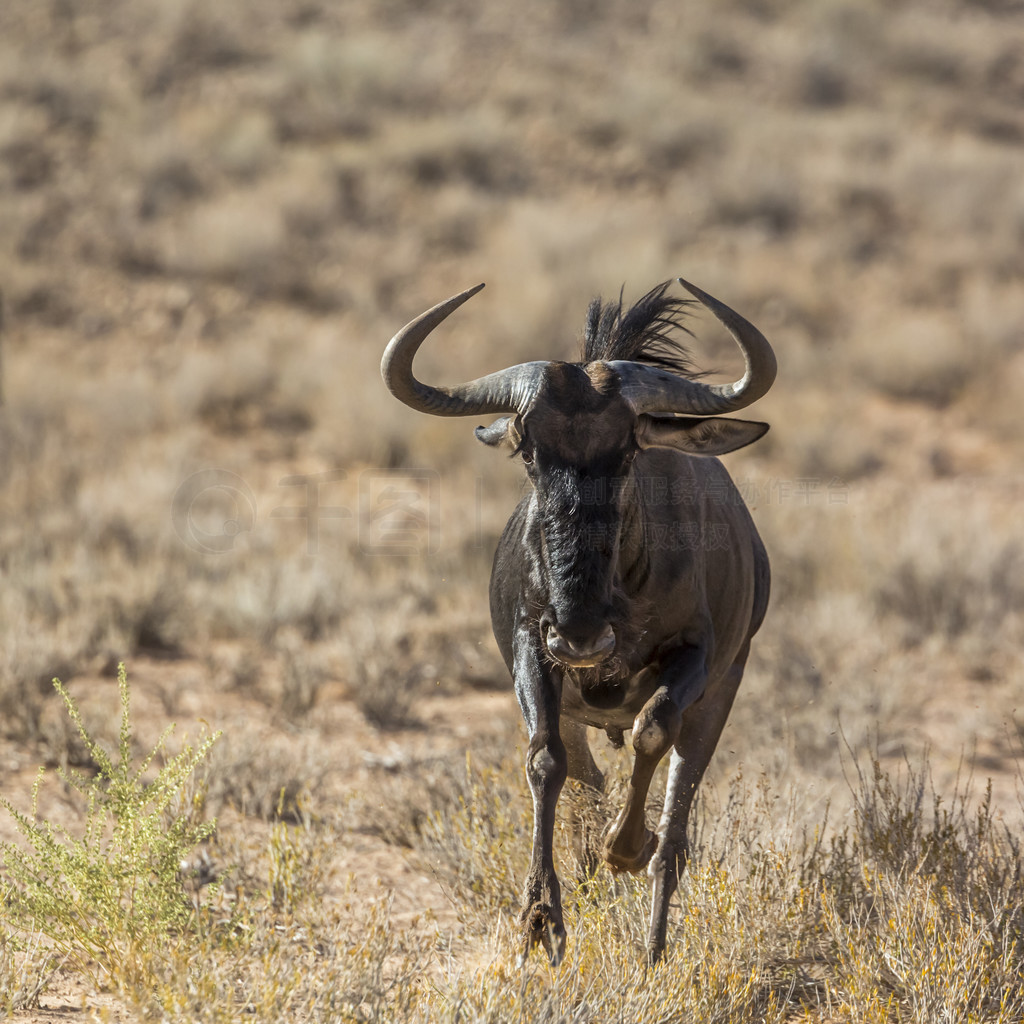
[942, 936]
[301, 675]
[198, 39]
[293, 592]
[803, 684]
[814, 433]
[954, 597]
[28, 665]
[478, 839]
[892, 911]
[270, 945]
[922, 357]
[263, 776]
[477, 153]
[407, 796]
[237, 238]
[763, 198]
[170, 179]
[248, 146]
[414, 644]
[954, 583]
[385, 668]
[327, 83]
[286, 674]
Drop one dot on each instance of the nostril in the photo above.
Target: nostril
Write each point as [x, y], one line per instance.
[580, 648]
[604, 641]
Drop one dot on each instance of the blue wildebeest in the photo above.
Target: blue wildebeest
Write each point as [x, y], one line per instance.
[628, 584]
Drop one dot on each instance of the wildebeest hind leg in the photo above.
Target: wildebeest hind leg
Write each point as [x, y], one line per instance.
[586, 796]
[581, 763]
[698, 735]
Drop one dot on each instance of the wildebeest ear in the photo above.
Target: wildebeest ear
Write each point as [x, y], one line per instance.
[502, 431]
[715, 435]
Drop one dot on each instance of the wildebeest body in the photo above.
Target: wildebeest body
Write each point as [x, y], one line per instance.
[668, 572]
[628, 584]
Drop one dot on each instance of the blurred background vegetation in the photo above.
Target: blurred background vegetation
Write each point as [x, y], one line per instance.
[214, 216]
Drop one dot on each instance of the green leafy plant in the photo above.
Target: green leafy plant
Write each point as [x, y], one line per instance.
[105, 900]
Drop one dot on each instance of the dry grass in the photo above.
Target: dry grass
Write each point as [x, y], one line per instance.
[905, 908]
[784, 915]
[212, 219]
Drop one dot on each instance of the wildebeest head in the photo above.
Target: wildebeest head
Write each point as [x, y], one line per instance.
[578, 428]
[578, 441]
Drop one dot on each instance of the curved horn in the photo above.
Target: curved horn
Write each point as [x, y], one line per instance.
[508, 390]
[649, 389]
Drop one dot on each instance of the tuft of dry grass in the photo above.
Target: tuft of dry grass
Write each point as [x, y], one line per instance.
[26, 971]
[264, 777]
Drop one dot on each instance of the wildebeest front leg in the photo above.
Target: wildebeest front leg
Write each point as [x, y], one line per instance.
[630, 844]
[539, 691]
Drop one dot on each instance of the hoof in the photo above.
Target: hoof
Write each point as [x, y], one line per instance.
[620, 858]
[541, 928]
[655, 955]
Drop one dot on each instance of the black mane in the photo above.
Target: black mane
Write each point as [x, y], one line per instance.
[645, 333]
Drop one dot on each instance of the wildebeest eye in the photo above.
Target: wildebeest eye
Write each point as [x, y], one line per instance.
[522, 449]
